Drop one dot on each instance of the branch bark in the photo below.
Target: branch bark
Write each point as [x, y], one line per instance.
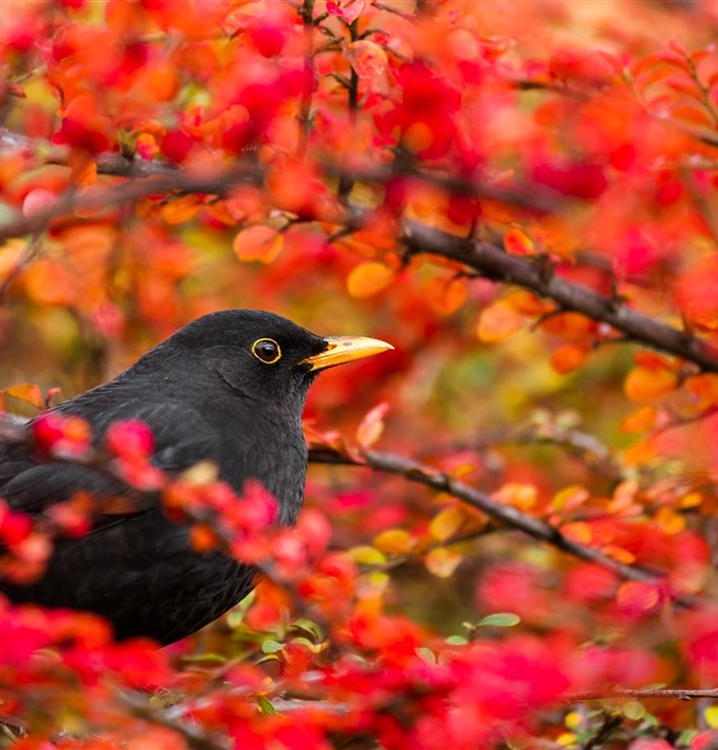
[507, 515]
[495, 264]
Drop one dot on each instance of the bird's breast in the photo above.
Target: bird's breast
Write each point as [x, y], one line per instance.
[274, 457]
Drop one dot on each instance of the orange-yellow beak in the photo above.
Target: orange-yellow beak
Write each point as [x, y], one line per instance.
[342, 349]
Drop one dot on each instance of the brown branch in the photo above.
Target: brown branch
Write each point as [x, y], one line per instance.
[495, 264]
[102, 196]
[683, 694]
[585, 446]
[108, 162]
[140, 707]
[306, 12]
[25, 258]
[12, 430]
[482, 257]
[507, 515]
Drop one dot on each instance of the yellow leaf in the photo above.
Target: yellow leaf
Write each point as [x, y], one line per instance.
[258, 243]
[368, 278]
[644, 384]
[27, 392]
[711, 716]
[203, 473]
[445, 524]
[691, 500]
[570, 498]
[573, 719]
[442, 562]
[367, 555]
[498, 321]
[566, 739]
[395, 541]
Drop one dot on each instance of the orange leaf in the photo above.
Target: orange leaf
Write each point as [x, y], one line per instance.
[84, 168]
[258, 243]
[180, 209]
[641, 420]
[569, 357]
[372, 426]
[517, 242]
[522, 496]
[203, 538]
[639, 453]
[395, 541]
[644, 385]
[569, 325]
[498, 321]
[619, 553]
[579, 531]
[446, 295]
[670, 522]
[528, 303]
[27, 392]
[368, 278]
[442, 562]
[446, 523]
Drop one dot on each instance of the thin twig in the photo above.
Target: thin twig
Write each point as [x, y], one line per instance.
[24, 259]
[495, 264]
[140, 707]
[683, 694]
[507, 515]
[306, 12]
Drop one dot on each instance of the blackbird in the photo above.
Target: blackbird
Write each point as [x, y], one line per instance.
[229, 387]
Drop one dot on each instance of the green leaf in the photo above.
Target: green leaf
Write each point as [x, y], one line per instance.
[192, 658]
[500, 620]
[271, 647]
[426, 654]
[456, 640]
[265, 706]
[633, 710]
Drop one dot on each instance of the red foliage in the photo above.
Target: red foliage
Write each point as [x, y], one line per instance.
[505, 202]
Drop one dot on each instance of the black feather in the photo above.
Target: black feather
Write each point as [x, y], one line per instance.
[205, 396]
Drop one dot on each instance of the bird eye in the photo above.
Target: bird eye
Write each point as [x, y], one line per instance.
[267, 351]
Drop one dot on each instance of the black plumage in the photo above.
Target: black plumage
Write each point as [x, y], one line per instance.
[229, 387]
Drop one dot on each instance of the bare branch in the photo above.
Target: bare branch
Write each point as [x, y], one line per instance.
[683, 694]
[507, 515]
[495, 264]
[482, 257]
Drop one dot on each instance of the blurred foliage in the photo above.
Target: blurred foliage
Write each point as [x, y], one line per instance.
[162, 160]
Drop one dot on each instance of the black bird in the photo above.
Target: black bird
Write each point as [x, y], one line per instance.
[229, 387]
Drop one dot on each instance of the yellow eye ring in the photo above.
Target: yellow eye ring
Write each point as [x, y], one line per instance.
[267, 351]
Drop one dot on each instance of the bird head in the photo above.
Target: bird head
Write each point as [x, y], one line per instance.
[264, 356]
